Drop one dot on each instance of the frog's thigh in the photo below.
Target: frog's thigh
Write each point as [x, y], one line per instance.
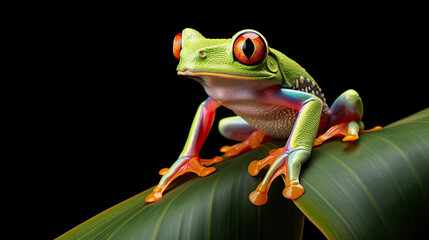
[347, 107]
[235, 128]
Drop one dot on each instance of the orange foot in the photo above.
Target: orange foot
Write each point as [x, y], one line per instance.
[194, 164]
[293, 189]
[204, 162]
[339, 130]
[256, 166]
[260, 195]
[253, 141]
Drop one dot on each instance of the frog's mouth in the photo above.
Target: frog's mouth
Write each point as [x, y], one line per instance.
[215, 79]
[202, 74]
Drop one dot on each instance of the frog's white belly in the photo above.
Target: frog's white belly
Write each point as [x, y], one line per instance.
[274, 120]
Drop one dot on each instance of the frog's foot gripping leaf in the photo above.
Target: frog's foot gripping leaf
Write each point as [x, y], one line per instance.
[253, 141]
[194, 165]
[277, 161]
[350, 131]
[204, 162]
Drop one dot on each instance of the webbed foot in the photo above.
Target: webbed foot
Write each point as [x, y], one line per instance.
[204, 162]
[350, 131]
[181, 167]
[282, 163]
[253, 141]
[256, 166]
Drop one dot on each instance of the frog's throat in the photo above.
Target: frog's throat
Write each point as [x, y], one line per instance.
[188, 73]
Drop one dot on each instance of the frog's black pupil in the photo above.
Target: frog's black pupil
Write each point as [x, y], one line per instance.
[248, 48]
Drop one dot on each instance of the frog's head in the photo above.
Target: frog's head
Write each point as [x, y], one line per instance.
[245, 56]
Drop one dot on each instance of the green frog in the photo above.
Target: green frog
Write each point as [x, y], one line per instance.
[273, 98]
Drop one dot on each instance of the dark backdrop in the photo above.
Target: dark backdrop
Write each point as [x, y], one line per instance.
[116, 112]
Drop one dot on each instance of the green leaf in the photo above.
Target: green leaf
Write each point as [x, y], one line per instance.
[377, 187]
[214, 207]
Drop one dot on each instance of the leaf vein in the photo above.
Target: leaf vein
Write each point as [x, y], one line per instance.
[212, 194]
[332, 207]
[161, 217]
[409, 163]
[362, 185]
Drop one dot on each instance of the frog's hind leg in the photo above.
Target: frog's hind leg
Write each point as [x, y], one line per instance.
[346, 108]
[350, 131]
[236, 128]
[345, 118]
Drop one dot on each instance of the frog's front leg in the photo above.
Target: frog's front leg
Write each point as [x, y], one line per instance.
[287, 161]
[188, 160]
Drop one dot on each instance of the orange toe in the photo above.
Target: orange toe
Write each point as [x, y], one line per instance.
[341, 130]
[155, 195]
[373, 129]
[293, 191]
[225, 149]
[206, 171]
[234, 150]
[336, 130]
[258, 198]
[191, 165]
[209, 162]
[163, 171]
[256, 166]
[350, 138]
[318, 142]
[253, 168]
[253, 141]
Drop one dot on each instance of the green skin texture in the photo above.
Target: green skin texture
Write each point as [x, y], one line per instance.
[220, 52]
[280, 73]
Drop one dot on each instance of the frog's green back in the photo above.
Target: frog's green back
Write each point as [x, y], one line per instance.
[290, 69]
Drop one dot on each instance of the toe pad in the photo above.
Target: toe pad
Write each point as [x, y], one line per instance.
[293, 191]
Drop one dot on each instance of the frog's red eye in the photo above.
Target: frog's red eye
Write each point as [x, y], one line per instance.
[177, 45]
[250, 48]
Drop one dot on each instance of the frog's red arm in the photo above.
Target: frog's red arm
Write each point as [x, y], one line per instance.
[188, 160]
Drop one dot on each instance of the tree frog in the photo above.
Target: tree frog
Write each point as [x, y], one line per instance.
[273, 98]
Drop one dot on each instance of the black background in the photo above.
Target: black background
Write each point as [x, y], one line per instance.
[112, 110]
